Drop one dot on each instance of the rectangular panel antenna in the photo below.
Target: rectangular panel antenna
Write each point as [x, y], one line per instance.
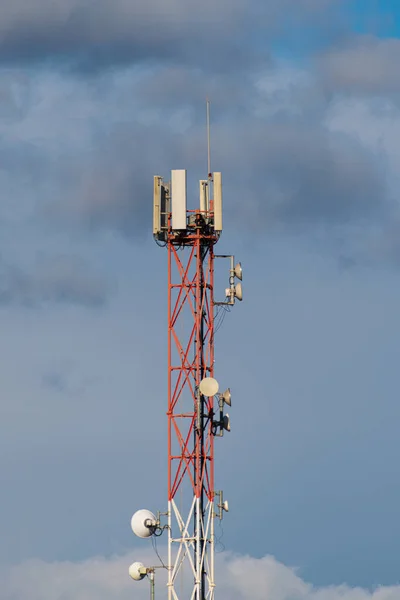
[157, 204]
[164, 207]
[178, 199]
[204, 203]
[217, 201]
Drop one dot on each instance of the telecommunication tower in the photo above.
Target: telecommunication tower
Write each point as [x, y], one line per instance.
[196, 415]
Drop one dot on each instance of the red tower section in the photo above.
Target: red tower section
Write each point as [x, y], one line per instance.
[190, 359]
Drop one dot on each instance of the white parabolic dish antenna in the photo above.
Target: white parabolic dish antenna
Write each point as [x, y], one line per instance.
[209, 386]
[143, 523]
[134, 571]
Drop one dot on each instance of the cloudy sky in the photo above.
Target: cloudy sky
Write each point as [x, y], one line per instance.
[96, 97]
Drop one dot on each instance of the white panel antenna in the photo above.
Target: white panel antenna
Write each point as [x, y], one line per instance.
[204, 196]
[217, 201]
[178, 196]
[157, 204]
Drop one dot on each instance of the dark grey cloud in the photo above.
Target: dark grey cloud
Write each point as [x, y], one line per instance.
[89, 156]
[92, 167]
[95, 33]
[113, 189]
[297, 174]
[87, 149]
[105, 32]
[61, 280]
[364, 65]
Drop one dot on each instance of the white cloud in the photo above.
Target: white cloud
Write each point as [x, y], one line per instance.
[238, 578]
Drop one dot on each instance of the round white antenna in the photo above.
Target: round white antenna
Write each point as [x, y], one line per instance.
[227, 398]
[143, 523]
[238, 291]
[238, 271]
[136, 571]
[209, 387]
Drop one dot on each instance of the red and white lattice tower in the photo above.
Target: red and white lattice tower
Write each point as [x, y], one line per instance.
[195, 406]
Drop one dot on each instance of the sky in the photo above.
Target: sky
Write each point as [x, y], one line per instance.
[95, 99]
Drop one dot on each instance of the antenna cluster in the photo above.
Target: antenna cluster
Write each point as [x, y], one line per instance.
[170, 213]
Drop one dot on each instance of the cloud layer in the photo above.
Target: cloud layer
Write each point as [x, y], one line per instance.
[277, 143]
[238, 578]
[80, 155]
[103, 33]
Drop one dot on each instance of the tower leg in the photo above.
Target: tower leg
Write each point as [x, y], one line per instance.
[170, 565]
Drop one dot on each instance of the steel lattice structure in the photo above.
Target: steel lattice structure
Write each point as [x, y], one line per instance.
[190, 414]
[195, 408]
